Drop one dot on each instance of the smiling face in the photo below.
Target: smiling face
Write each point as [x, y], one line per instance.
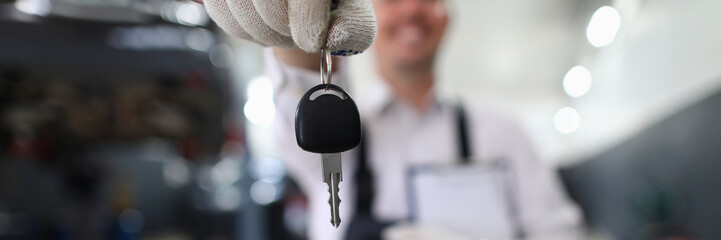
[409, 31]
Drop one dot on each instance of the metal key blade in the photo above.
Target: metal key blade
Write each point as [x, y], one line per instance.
[332, 175]
[334, 200]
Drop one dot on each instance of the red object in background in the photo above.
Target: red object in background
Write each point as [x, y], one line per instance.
[233, 133]
[195, 79]
[21, 147]
[44, 149]
[189, 148]
[26, 148]
[45, 144]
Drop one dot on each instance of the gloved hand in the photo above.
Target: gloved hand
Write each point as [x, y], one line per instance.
[308, 24]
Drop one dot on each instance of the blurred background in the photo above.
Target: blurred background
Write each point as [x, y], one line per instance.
[140, 119]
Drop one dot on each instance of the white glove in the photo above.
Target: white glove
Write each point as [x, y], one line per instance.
[308, 24]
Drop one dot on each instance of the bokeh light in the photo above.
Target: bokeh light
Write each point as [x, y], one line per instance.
[603, 26]
[577, 81]
[567, 120]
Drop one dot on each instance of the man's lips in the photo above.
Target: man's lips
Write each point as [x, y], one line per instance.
[410, 34]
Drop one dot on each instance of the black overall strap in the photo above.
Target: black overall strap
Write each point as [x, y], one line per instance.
[463, 141]
[371, 228]
[363, 177]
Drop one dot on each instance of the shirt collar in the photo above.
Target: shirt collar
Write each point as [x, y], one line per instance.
[378, 98]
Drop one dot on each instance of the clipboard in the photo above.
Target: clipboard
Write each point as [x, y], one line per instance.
[476, 199]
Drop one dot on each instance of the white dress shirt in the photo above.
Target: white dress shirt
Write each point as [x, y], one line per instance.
[399, 137]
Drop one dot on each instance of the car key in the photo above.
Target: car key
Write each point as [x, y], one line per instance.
[327, 122]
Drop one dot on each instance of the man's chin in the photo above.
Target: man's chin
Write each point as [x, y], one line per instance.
[416, 55]
[415, 62]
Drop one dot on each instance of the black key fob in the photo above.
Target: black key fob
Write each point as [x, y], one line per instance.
[327, 120]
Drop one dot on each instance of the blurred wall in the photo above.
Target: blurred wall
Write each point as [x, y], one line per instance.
[667, 56]
[650, 124]
[662, 181]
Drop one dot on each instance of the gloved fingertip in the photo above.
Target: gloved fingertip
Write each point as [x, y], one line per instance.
[345, 52]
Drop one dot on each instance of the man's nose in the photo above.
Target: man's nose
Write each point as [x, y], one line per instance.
[411, 9]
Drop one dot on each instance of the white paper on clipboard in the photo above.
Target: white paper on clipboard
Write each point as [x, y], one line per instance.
[469, 199]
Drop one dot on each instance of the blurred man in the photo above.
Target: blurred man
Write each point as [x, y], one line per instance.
[406, 124]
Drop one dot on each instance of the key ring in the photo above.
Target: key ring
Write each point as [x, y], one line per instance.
[326, 68]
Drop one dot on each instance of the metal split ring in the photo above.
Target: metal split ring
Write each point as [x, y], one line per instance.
[326, 68]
